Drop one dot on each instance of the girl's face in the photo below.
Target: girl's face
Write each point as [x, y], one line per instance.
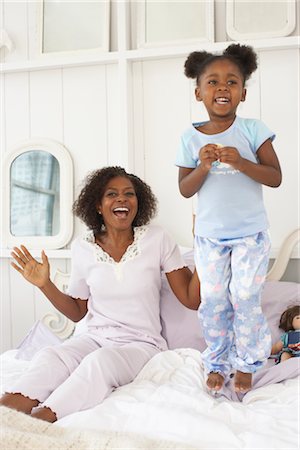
[296, 323]
[119, 204]
[221, 88]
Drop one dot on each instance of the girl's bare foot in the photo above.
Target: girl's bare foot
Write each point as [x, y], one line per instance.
[242, 381]
[215, 381]
[19, 402]
[44, 413]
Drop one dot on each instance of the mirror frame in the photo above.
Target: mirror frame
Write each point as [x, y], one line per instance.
[66, 195]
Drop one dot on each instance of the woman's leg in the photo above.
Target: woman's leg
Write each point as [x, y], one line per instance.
[212, 259]
[250, 257]
[18, 401]
[96, 377]
[50, 367]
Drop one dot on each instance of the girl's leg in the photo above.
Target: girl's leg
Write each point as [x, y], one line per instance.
[50, 367]
[96, 377]
[212, 259]
[250, 257]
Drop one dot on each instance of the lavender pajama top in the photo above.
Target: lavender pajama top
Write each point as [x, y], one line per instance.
[124, 297]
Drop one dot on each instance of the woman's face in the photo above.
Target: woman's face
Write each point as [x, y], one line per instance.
[119, 204]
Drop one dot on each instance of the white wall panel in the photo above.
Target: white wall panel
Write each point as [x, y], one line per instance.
[46, 114]
[5, 307]
[17, 106]
[85, 120]
[16, 25]
[165, 109]
[115, 150]
[280, 111]
[251, 106]
[138, 119]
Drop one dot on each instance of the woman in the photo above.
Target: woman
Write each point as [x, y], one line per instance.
[115, 281]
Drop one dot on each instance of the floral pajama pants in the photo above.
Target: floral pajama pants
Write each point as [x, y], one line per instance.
[232, 274]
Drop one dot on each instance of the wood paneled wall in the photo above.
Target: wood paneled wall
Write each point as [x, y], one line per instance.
[81, 107]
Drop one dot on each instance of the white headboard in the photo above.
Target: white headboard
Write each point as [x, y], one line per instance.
[282, 259]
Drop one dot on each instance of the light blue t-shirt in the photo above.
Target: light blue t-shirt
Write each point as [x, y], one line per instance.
[229, 203]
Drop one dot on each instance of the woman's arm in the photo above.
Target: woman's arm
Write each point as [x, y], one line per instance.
[186, 287]
[38, 274]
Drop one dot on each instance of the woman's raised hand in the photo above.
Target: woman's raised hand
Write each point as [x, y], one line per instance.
[33, 271]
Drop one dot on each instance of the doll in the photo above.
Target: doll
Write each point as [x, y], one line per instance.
[289, 344]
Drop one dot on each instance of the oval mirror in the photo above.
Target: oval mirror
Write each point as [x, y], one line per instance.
[38, 195]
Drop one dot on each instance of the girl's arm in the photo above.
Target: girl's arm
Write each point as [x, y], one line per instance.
[38, 274]
[186, 287]
[191, 180]
[268, 170]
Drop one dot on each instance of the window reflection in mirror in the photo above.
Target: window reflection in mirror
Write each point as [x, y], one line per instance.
[35, 194]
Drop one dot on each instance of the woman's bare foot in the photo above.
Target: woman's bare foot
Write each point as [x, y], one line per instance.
[44, 413]
[215, 381]
[242, 381]
[19, 402]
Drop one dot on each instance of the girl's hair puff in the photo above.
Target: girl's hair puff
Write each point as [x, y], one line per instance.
[286, 319]
[242, 55]
[87, 203]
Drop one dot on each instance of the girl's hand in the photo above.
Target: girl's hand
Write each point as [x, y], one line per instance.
[36, 273]
[207, 155]
[229, 155]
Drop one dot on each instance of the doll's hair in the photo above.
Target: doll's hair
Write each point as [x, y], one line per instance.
[286, 319]
[86, 205]
[242, 55]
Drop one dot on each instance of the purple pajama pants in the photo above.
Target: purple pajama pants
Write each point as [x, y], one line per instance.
[82, 372]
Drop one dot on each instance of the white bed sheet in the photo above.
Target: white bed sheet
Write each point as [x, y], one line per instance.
[168, 400]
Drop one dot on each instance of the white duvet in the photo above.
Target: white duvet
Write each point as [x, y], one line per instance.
[168, 400]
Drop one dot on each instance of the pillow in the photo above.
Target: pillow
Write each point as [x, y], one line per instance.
[181, 327]
[38, 337]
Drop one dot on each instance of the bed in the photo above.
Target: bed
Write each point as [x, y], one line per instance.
[167, 406]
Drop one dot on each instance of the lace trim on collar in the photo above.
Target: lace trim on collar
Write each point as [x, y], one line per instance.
[131, 252]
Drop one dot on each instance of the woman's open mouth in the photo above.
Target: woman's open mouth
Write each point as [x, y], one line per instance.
[121, 212]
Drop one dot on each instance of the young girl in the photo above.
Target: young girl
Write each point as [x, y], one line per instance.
[226, 160]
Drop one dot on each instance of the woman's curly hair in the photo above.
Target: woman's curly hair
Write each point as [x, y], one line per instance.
[286, 319]
[241, 55]
[85, 207]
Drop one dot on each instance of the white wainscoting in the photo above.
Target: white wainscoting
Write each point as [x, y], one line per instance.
[129, 108]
